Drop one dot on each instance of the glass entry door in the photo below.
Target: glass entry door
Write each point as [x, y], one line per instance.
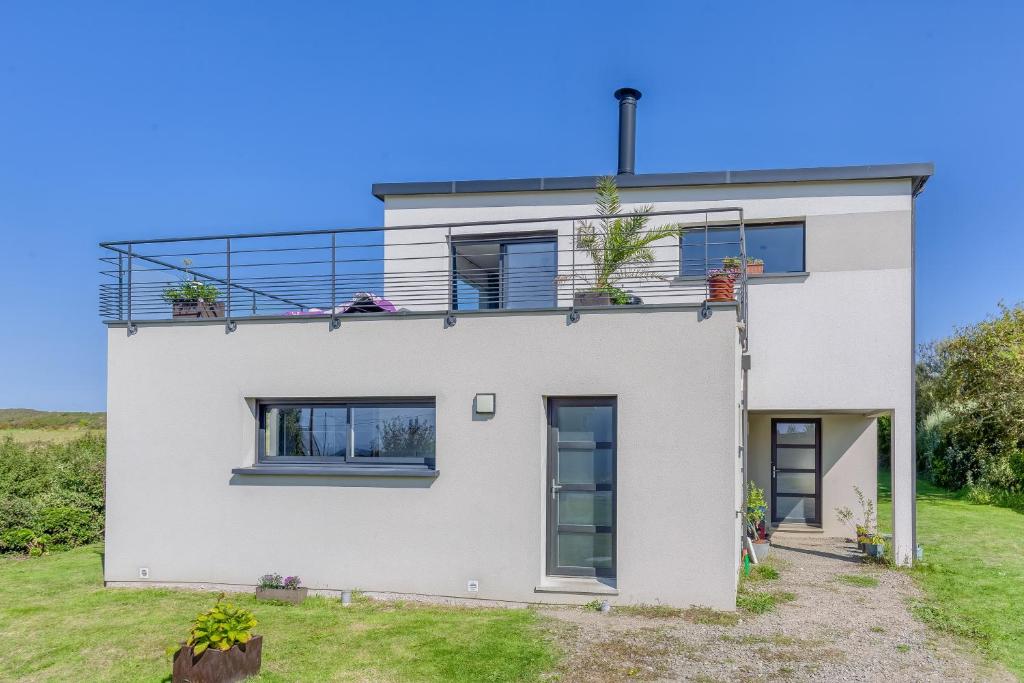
[581, 487]
[796, 470]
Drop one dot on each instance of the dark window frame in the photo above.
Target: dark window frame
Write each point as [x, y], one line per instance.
[551, 552]
[747, 228]
[350, 458]
[501, 239]
[818, 441]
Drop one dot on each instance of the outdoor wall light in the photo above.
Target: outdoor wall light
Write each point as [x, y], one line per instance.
[484, 404]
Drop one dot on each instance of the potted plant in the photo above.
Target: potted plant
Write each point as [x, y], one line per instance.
[194, 299]
[757, 512]
[221, 647]
[875, 546]
[721, 285]
[619, 249]
[288, 589]
[731, 264]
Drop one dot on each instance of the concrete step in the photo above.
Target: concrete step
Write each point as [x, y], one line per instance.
[794, 528]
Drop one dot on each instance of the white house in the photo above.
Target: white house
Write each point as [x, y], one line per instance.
[480, 428]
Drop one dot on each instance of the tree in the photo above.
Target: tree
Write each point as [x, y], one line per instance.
[619, 246]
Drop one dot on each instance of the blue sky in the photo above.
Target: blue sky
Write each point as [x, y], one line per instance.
[123, 120]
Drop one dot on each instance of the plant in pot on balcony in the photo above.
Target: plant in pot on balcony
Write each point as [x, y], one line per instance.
[721, 285]
[619, 248]
[756, 516]
[755, 266]
[272, 587]
[194, 299]
[221, 647]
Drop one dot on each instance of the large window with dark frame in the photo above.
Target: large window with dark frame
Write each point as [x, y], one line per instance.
[503, 271]
[779, 245]
[364, 432]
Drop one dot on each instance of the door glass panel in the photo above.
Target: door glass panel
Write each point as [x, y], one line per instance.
[801, 433]
[795, 482]
[584, 465]
[795, 458]
[585, 550]
[529, 274]
[587, 508]
[585, 423]
[802, 509]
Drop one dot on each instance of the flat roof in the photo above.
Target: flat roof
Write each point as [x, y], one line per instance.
[917, 172]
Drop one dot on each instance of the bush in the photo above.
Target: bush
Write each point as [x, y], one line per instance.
[51, 495]
[970, 397]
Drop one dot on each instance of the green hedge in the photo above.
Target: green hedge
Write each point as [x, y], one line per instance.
[51, 495]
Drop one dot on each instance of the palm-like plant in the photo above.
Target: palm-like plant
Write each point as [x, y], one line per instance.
[619, 246]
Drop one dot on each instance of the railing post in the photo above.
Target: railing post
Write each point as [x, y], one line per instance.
[120, 286]
[449, 318]
[744, 283]
[335, 318]
[705, 309]
[574, 315]
[254, 303]
[229, 325]
[132, 327]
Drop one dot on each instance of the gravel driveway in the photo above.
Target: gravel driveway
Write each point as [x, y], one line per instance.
[832, 628]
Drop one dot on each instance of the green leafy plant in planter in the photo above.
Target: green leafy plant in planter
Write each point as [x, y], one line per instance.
[192, 298]
[731, 264]
[875, 546]
[619, 247]
[755, 517]
[191, 290]
[220, 647]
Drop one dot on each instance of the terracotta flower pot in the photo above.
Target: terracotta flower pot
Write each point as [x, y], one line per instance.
[197, 308]
[292, 595]
[755, 268]
[218, 666]
[721, 287]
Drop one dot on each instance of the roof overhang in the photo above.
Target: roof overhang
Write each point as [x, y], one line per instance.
[918, 173]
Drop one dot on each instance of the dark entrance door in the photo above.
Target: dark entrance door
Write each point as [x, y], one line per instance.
[796, 470]
[581, 487]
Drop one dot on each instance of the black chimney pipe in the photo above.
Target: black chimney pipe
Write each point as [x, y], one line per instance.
[627, 98]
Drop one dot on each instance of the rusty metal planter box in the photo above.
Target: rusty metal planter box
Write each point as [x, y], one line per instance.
[217, 666]
[292, 595]
[197, 309]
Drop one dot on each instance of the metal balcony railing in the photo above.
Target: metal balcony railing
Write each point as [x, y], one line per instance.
[524, 264]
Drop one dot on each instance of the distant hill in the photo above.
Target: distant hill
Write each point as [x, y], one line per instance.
[26, 418]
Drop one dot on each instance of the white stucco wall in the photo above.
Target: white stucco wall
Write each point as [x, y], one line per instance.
[839, 338]
[849, 457]
[180, 418]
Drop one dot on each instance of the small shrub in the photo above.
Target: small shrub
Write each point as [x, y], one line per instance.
[763, 572]
[593, 605]
[755, 603]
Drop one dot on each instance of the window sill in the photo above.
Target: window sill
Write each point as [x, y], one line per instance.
[751, 278]
[335, 471]
[577, 585]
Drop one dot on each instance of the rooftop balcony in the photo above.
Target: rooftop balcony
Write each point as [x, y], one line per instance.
[633, 261]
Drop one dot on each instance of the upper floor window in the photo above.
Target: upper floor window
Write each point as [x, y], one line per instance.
[336, 432]
[504, 272]
[780, 246]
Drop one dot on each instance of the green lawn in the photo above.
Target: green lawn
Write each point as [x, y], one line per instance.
[60, 624]
[973, 572]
